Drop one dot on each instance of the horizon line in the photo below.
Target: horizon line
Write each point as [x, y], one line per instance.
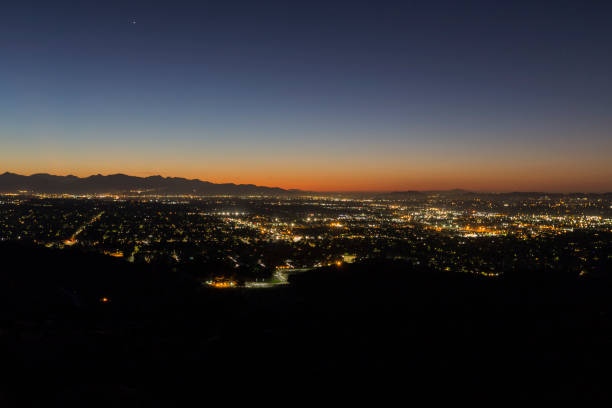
[289, 189]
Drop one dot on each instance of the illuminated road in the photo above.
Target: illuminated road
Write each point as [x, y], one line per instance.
[280, 277]
[72, 239]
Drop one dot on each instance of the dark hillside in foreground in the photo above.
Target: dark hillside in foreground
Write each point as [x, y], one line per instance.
[382, 326]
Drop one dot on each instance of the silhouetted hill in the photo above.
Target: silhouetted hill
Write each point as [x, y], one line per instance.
[465, 194]
[380, 326]
[414, 194]
[402, 195]
[40, 280]
[116, 183]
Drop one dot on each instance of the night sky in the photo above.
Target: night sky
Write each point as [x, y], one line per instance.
[378, 95]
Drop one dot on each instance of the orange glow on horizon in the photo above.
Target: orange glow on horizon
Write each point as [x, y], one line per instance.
[364, 182]
[339, 168]
[353, 176]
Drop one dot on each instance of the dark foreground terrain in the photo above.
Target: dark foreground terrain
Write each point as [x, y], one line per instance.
[88, 330]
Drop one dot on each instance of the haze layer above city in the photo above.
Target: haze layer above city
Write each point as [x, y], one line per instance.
[316, 96]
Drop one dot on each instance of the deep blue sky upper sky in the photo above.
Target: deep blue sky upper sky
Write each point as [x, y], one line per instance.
[327, 95]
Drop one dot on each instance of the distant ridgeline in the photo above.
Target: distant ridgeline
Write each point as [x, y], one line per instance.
[467, 195]
[121, 183]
